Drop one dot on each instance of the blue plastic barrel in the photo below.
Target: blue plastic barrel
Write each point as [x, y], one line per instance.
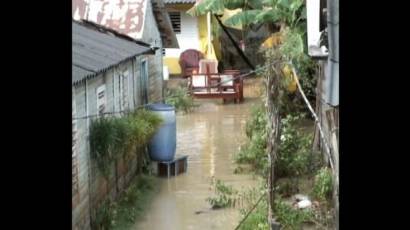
[162, 146]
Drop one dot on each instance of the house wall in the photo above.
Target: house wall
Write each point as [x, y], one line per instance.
[93, 187]
[152, 36]
[323, 108]
[189, 36]
[193, 36]
[80, 200]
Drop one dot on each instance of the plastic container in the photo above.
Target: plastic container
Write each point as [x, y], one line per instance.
[163, 145]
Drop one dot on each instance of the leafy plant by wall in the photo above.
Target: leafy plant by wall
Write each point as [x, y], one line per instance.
[103, 138]
[114, 137]
[122, 214]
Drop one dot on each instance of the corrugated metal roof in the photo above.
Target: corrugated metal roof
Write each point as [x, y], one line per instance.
[178, 1]
[96, 49]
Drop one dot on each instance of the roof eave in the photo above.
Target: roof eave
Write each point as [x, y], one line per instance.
[168, 36]
[96, 73]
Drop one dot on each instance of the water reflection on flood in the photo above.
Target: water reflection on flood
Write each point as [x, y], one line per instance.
[209, 136]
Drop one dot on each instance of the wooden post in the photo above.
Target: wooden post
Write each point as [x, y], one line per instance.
[316, 137]
[273, 99]
[334, 145]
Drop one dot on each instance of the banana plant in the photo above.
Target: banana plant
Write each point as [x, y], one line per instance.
[253, 11]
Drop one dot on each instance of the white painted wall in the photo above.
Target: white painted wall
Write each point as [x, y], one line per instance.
[188, 38]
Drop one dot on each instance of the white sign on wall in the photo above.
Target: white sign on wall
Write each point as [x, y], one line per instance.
[124, 16]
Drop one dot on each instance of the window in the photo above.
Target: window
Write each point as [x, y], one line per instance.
[74, 162]
[101, 99]
[175, 21]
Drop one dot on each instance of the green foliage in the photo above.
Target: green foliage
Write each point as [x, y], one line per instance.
[225, 196]
[104, 215]
[243, 18]
[103, 142]
[289, 217]
[254, 151]
[114, 137]
[180, 99]
[287, 187]
[254, 11]
[295, 149]
[122, 214]
[258, 219]
[143, 125]
[257, 122]
[214, 6]
[308, 80]
[323, 188]
[218, 6]
[267, 16]
[293, 47]
[254, 154]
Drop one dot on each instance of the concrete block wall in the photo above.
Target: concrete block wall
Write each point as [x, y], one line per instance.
[151, 35]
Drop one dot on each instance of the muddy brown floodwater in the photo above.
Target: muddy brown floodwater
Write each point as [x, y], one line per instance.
[210, 136]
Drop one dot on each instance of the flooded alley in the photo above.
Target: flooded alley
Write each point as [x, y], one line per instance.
[209, 136]
[187, 114]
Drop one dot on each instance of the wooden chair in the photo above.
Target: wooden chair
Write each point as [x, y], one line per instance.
[214, 86]
[208, 83]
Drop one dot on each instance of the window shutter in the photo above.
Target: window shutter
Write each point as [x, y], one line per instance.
[101, 99]
[175, 21]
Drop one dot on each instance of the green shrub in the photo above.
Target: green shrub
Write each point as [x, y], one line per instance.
[257, 122]
[294, 154]
[289, 217]
[258, 219]
[323, 185]
[103, 138]
[287, 187]
[254, 151]
[133, 201]
[114, 137]
[180, 99]
[105, 215]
